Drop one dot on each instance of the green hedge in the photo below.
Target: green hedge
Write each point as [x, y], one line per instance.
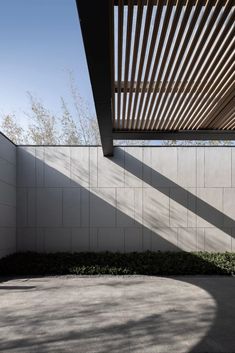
[147, 263]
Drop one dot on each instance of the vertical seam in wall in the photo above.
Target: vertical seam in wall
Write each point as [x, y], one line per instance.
[89, 192]
[231, 166]
[97, 168]
[142, 232]
[34, 190]
[16, 186]
[62, 206]
[115, 203]
[204, 167]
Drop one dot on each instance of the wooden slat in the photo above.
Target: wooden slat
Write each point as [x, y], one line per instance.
[218, 117]
[124, 85]
[165, 57]
[142, 57]
[231, 124]
[210, 75]
[225, 87]
[120, 44]
[188, 57]
[223, 81]
[158, 54]
[135, 54]
[177, 101]
[146, 84]
[224, 117]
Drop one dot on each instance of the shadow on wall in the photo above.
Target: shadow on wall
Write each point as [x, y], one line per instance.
[57, 213]
[64, 206]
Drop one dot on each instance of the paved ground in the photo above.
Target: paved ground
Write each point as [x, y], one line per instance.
[117, 314]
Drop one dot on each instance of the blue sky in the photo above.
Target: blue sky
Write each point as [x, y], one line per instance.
[40, 41]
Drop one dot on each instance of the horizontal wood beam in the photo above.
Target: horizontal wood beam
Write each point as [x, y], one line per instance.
[175, 135]
[184, 2]
[174, 87]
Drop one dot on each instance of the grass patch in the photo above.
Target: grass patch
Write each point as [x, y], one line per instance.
[147, 263]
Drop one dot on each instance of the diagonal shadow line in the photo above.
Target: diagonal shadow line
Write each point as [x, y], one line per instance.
[196, 205]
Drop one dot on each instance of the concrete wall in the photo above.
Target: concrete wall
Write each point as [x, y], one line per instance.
[7, 197]
[156, 198]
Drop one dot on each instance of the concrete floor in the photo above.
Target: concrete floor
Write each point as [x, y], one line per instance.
[117, 314]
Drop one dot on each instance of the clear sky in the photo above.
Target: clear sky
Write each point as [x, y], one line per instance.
[40, 41]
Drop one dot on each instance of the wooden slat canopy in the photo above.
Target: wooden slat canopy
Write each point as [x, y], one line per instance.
[169, 67]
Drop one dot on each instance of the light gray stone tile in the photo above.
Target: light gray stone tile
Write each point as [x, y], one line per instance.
[210, 207]
[133, 166]
[111, 170]
[147, 239]
[164, 239]
[102, 207]
[192, 207]
[49, 207]
[186, 167]
[200, 239]
[147, 167]
[138, 206]
[218, 167]
[80, 166]
[7, 150]
[229, 207]
[26, 239]
[233, 239]
[22, 207]
[40, 241]
[125, 207]
[71, 207]
[80, 239]
[94, 239]
[218, 240]
[187, 239]
[156, 208]
[32, 200]
[200, 153]
[7, 238]
[178, 207]
[164, 166]
[39, 165]
[85, 207]
[233, 167]
[7, 171]
[133, 239]
[93, 166]
[7, 216]
[111, 239]
[57, 166]
[57, 240]
[7, 194]
[26, 166]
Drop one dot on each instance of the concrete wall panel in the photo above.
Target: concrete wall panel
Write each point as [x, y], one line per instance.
[7, 197]
[143, 198]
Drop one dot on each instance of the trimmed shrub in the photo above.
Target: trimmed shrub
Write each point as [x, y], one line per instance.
[147, 263]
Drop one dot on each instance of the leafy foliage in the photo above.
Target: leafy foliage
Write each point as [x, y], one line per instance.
[13, 130]
[147, 263]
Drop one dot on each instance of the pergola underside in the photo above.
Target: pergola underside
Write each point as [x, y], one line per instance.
[161, 69]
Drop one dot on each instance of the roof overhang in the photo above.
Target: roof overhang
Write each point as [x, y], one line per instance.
[161, 69]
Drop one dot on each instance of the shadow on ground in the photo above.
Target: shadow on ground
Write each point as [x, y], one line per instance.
[118, 314]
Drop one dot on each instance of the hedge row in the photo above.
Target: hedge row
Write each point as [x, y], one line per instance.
[147, 263]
